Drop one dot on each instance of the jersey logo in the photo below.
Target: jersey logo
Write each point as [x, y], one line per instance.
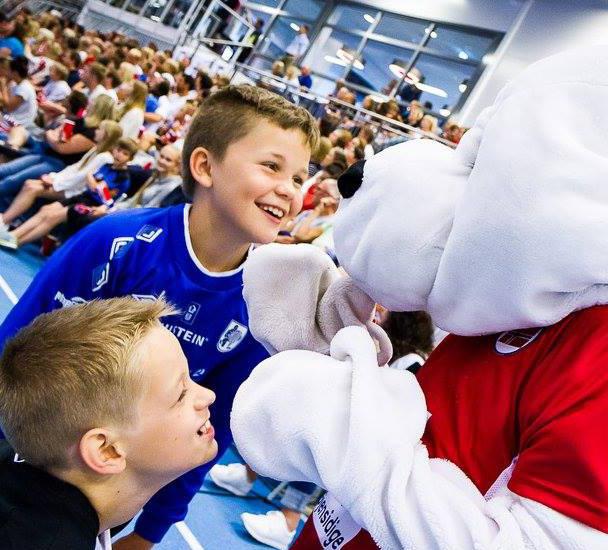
[67, 302]
[148, 233]
[191, 312]
[17, 458]
[198, 373]
[101, 275]
[514, 340]
[120, 246]
[148, 297]
[232, 336]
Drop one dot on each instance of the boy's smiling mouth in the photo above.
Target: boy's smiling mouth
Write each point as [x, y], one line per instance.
[274, 211]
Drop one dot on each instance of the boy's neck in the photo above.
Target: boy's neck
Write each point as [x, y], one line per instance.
[119, 166]
[117, 499]
[215, 246]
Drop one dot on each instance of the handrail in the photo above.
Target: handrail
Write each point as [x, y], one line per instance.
[377, 119]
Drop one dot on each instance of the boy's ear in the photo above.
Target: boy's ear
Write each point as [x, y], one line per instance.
[200, 166]
[102, 453]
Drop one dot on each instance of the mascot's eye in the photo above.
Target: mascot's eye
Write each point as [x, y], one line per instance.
[350, 181]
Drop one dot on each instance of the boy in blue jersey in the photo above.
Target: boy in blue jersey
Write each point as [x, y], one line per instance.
[245, 158]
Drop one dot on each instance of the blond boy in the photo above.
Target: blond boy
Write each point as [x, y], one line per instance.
[98, 404]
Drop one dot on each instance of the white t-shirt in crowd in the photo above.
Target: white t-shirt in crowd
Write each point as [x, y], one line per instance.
[27, 111]
[56, 90]
[131, 122]
[298, 45]
[97, 91]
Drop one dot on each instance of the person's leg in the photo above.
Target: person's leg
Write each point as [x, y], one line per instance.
[18, 164]
[49, 217]
[23, 201]
[10, 185]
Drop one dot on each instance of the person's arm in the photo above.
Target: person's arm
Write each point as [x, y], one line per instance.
[52, 108]
[92, 182]
[9, 101]
[80, 270]
[152, 117]
[78, 143]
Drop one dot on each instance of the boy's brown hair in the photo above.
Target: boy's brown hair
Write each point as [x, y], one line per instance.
[127, 144]
[230, 113]
[72, 370]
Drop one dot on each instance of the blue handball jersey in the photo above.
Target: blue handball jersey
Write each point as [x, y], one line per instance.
[148, 254]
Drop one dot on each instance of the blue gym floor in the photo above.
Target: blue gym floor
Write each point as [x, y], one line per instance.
[213, 521]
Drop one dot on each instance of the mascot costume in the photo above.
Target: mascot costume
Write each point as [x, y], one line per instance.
[500, 440]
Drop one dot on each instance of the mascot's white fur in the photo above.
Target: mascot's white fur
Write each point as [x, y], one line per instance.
[498, 442]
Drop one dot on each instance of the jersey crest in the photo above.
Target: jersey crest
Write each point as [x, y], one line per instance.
[232, 336]
[514, 340]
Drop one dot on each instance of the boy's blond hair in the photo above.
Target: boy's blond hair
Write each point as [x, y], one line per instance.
[72, 370]
[231, 113]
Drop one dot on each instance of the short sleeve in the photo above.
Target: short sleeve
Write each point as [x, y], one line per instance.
[562, 420]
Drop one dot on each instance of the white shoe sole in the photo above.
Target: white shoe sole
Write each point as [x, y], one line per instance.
[226, 486]
[263, 539]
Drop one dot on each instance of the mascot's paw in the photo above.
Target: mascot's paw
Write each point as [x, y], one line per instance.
[297, 299]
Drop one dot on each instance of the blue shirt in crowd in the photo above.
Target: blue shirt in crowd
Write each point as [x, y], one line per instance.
[148, 254]
[13, 44]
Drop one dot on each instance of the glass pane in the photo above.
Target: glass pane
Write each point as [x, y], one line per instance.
[351, 18]
[155, 9]
[283, 32]
[332, 51]
[400, 28]
[134, 6]
[308, 9]
[459, 43]
[271, 3]
[443, 82]
[176, 13]
[382, 64]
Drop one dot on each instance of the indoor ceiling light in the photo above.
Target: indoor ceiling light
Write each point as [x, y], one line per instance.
[430, 89]
[348, 55]
[397, 68]
[463, 86]
[433, 34]
[295, 27]
[369, 18]
[444, 111]
[463, 55]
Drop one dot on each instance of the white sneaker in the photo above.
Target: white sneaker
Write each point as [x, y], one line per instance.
[8, 240]
[232, 477]
[270, 528]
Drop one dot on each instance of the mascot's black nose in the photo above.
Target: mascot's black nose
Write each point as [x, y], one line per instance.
[351, 180]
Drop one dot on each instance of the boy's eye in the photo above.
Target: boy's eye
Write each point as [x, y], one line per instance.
[298, 181]
[272, 165]
[182, 395]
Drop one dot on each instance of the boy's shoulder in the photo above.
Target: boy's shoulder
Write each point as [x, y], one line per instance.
[54, 515]
[143, 224]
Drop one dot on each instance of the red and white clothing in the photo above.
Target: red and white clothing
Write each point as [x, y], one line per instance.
[535, 398]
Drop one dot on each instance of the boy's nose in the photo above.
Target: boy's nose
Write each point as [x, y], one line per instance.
[206, 398]
[350, 181]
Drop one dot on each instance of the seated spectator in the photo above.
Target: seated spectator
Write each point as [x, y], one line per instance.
[106, 185]
[162, 182]
[367, 135]
[11, 38]
[67, 183]
[157, 91]
[71, 60]
[428, 123]
[130, 113]
[323, 149]
[91, 81]
[57, 89]
[411, 334]
[390, 109]
[73, 107]
[452, 132]
[57, 150]
[305, 79]
[340, 138]
[18, 100]
[73, 468]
